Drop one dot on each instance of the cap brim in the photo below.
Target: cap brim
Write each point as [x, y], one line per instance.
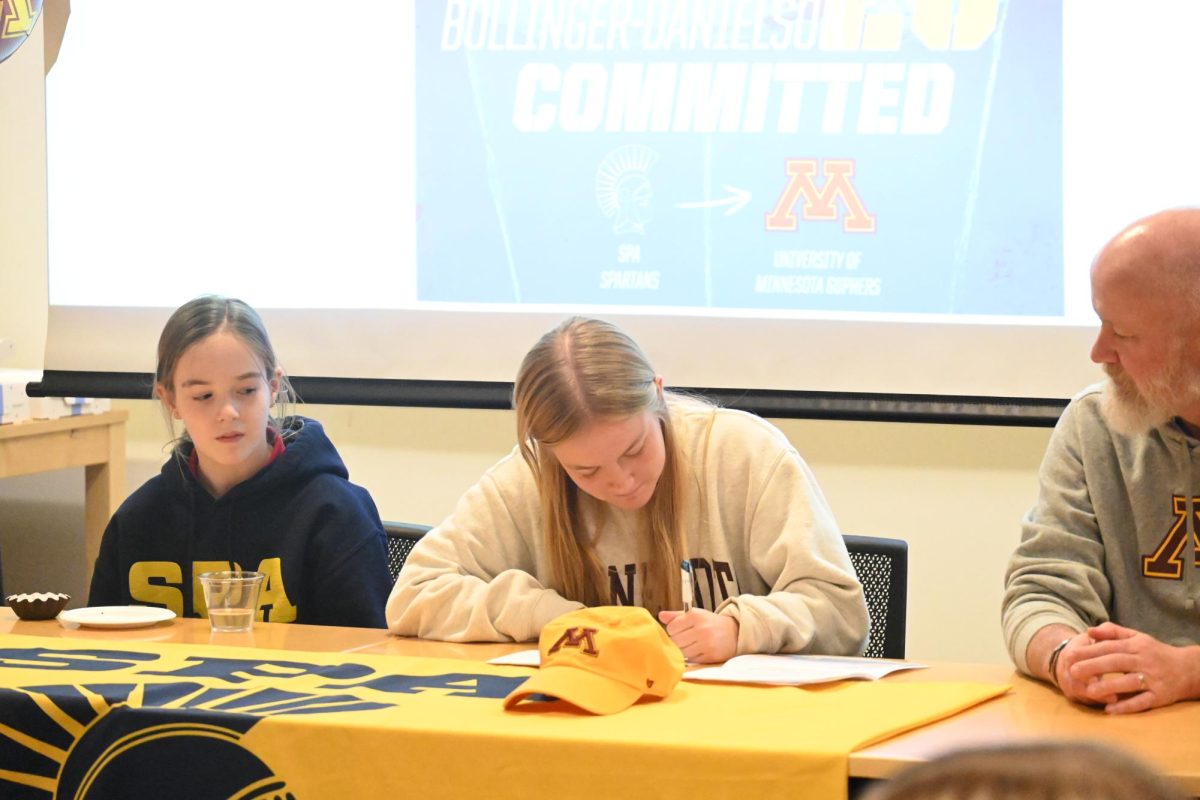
[587, 690]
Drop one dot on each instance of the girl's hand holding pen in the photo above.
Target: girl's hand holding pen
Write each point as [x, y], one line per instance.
[704, 637]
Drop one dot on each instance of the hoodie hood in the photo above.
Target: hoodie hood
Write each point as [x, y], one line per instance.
[307, 454]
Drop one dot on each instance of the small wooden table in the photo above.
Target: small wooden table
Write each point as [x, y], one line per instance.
[95, 442]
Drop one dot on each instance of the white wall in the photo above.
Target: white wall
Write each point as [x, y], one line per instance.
[23, 304]
[956, 493]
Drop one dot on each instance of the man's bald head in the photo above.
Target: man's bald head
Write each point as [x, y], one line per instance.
[1146, 291]
[1161, 251]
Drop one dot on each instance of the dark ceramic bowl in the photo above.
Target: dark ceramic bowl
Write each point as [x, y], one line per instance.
[39, 605]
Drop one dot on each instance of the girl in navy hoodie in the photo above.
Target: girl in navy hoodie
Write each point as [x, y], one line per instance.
[242, 489]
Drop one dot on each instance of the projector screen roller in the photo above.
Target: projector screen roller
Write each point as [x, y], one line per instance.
[842, 196]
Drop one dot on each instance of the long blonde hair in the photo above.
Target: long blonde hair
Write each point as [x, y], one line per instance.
[583, 371]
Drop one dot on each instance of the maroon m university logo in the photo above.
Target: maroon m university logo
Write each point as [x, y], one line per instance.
[1167, 560]
[582, 638]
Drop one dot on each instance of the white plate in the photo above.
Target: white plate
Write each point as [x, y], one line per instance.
[116, 616]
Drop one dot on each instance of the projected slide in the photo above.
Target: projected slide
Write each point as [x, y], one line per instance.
[844, 195]
[811, 156]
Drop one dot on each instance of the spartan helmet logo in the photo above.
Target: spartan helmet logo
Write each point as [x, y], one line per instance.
[168, 754]
[124, 735]
[623, 188]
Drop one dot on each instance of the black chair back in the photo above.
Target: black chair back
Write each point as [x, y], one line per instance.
[401, 537]
[882, 567]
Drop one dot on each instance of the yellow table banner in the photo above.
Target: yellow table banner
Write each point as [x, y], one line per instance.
[85, 719]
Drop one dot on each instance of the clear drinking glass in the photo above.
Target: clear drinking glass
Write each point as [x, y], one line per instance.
[232, 599]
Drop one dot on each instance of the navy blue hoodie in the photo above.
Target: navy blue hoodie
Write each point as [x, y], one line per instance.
[317, 537]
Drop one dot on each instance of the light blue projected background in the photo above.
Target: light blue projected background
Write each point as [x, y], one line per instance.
[684, 154]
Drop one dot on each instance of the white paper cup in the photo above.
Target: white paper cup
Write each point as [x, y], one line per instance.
[232, 599]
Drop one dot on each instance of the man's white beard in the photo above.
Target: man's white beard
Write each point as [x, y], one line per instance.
[1131, 411]
[1126, 410]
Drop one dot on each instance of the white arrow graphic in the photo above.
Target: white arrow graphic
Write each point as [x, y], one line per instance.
[736, 199]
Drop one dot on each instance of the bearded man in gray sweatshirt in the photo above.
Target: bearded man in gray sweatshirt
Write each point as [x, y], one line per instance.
[1102, 596]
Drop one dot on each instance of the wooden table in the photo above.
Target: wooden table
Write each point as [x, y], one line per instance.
[1168, 738]
[271, 635]
[95, 442]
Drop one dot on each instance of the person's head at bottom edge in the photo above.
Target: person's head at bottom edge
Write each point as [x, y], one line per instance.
[1038, 770]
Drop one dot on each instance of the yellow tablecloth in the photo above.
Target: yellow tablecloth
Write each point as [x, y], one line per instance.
[207, 721]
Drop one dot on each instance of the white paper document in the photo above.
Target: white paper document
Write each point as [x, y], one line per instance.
[788, 670]
[521, 658]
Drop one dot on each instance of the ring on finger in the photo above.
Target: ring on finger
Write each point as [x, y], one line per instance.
[1141, 676]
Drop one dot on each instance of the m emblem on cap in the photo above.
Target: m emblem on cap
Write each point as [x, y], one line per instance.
[583, 638]
[601, 660]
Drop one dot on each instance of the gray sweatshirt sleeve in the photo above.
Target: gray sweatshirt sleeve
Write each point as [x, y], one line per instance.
[1057, 573]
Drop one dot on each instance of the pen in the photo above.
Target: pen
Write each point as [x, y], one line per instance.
[685, 578]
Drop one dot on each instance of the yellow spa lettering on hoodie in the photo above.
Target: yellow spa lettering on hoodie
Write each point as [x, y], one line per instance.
[273, 600]
[157, 583]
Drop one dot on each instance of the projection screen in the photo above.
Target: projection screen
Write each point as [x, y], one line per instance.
[848, 197]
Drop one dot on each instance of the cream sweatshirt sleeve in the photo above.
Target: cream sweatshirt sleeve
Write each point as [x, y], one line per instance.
[474, 577]
[810, 600]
